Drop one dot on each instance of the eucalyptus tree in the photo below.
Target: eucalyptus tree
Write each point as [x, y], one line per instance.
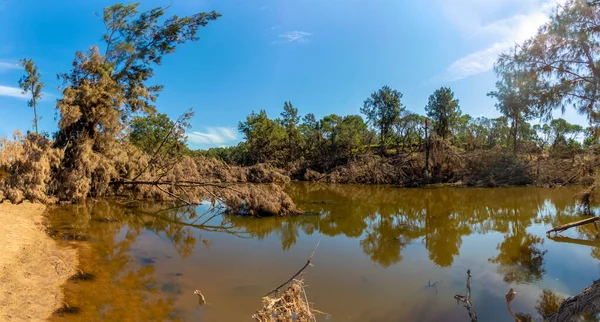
[30, 84]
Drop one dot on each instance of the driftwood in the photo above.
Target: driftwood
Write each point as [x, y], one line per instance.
[586, 302]
[467, 299]
[564, 227]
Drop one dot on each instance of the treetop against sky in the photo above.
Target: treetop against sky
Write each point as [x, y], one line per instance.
[324, 56]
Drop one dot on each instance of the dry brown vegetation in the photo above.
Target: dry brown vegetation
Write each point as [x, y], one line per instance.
[30, 169]
[290, 306]
[481, 168]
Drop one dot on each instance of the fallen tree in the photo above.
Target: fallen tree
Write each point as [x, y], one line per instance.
[564, 227]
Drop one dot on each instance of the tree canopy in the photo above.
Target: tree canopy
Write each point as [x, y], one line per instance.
[443, 109]
[382, 110]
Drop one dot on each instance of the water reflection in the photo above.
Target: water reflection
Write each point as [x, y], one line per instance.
[386, 221]
[125, 281]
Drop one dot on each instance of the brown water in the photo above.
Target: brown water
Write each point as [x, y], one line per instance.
[385, 254]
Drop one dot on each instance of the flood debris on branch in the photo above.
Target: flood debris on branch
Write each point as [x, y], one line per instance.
[290, 306]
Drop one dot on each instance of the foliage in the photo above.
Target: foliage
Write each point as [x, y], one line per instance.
[30, 83]
[264, 137]
[382, 110]
[149, 133]
[443, 109]
[513, 93]
[560, 63]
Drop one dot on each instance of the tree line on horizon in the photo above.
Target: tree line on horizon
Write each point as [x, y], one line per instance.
[389, 128]
[107, 116]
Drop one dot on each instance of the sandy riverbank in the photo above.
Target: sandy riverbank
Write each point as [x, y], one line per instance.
[32, 265]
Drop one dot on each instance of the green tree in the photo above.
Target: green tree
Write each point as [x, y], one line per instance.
[293, 141]
[443, 109]
[30, 83]
[311, 131]
[149, 133]
[409, 131]
[382, 110]
[561, 62]
[563, 133]
[343, 135]
[513, 102]
[264, 137]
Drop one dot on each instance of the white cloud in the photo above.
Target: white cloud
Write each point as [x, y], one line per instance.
[11, 91]
[6, 66]
[295, 36]
[501, 33]
[218, 136]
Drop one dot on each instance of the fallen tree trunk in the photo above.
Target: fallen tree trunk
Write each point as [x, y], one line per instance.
[586, 302]
[564, 227]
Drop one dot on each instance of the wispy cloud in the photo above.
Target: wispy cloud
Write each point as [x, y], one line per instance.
[11, 92]
[216, 136]
[503, 33]
[295, 36]
[7, 66]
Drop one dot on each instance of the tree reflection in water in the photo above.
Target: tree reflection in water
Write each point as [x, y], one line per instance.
[119, 275]
[385, 220]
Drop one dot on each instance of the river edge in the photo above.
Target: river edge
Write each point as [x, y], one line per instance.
[33, 266]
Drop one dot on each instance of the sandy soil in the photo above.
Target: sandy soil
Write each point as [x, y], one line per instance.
[32, 265]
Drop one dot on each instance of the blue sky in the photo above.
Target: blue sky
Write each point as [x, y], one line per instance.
[326, 56]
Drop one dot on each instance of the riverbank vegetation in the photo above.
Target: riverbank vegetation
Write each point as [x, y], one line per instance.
[111, 140]
[390, 143]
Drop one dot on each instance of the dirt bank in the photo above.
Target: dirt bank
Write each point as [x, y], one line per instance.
[32, 265]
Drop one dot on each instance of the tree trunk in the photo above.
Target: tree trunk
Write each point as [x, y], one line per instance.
[515, 148]
[427, 145]
[34, 104]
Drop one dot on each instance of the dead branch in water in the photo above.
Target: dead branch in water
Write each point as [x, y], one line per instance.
[308, 263]
[564, 227]
[467, 298]
[292, 305]
[509, 297]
